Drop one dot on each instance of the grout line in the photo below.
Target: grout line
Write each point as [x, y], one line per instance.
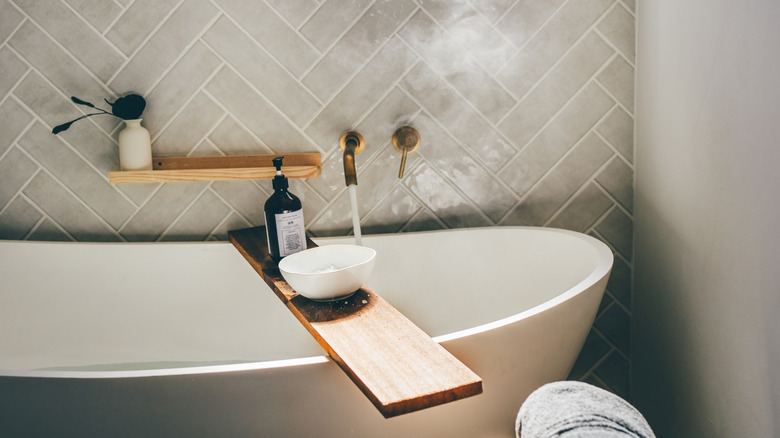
[100, 34]
[143, 43]
[347, 28]
[358, 70]
[549, 170]
[184, 211]
[613, 147]
[257, 43]
[89, 73]
[114, 21]
[591, 180]
[471, 153]
[609, 42]
[82, 202]
[522, 47]
[613, 199]
[174, 62]
[16, 29]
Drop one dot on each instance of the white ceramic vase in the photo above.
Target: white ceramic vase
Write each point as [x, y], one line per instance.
[135, 147]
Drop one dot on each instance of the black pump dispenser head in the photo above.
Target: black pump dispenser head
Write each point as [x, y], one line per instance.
[280, 181]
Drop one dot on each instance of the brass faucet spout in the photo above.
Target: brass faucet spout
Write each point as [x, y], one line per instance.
[351, 143]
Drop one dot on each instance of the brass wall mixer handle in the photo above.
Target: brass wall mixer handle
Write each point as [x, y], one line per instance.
[405, 140]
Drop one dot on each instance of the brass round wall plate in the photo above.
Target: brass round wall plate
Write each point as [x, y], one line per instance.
[355, 136]
[406, 139]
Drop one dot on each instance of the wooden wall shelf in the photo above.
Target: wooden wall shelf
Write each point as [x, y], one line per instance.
[221, 167]
[396, 365]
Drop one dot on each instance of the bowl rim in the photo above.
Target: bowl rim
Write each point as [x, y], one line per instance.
[372, 251]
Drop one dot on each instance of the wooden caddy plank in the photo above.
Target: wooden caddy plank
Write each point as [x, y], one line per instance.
[221, 167]
[396, 365]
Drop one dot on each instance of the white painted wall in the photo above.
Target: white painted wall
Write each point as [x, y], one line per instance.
[706, 336]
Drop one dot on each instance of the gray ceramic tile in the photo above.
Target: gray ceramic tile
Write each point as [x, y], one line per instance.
[296, 12]
[391, 213]
[631, 4]
[557, 88]
[232, 222]
[273, 33]
[443, 200]
[618, 129]
[583, 211]
[550, 43]
[394, 111]
[594, 349]
[98, 13]
[87, 138]
[81, 41]
[424, 220]
[178, 85]
[614, 371]
[189, 128]
[65, 209]
[619, 284]
[158, 53]
[470, 29]
[525, 18]
[618, 180]
[618, 27]
[161, 210]
[332, 20]
[260, 70]
[331, 181]
[568, 127]
[460, 119]
[256, 114]
[618, 79]
[245, 197]
[494, 10]
[614, 323]
[18, 219]
[72, 171]
[49, 231]
[13, 119]
[459, 69]
[199, 220]
[378, 178]
[233, 139]
[15, 170]
[68, 76]
[10, 18]
[560, 184]
[361, 93]
[336, 220]
[617, 229]
[357, 46]
[13, 70]
[137, 22]
[444, 153]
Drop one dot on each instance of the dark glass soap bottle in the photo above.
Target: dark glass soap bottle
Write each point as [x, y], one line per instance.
[283, 218]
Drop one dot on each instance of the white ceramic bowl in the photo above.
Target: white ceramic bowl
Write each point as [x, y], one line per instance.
[330, 272]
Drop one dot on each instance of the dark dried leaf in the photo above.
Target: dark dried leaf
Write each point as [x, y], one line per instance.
[82, 102]
[59, 128]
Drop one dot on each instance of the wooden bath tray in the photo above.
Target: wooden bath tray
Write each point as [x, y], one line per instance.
[221, 167]
[396, 365]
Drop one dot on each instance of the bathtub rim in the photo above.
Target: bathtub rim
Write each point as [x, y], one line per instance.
[602, 269]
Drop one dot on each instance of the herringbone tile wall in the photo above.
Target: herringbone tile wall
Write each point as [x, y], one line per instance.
[525, 108]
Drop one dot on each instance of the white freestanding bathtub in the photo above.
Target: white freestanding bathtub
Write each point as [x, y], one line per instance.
[186, 340]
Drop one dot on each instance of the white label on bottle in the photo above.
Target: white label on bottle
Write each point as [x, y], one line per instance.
[290, 233]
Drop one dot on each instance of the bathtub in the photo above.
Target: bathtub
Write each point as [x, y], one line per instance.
[185, 339]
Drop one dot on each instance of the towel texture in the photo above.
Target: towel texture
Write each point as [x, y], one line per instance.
[578, 410]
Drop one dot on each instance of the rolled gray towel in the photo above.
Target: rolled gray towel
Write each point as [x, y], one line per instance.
[578, 410]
